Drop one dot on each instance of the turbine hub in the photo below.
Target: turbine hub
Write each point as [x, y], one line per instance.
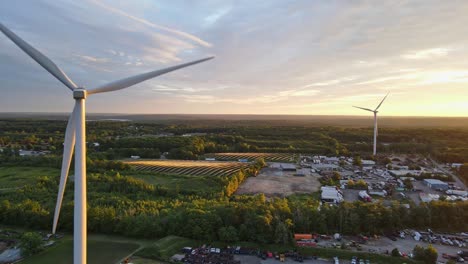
[79, 93]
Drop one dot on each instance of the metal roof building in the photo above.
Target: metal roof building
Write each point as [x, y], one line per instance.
[288, 167]
[436, 184]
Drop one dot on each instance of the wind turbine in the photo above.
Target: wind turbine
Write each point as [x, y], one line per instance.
[75, 134]
[375, 121]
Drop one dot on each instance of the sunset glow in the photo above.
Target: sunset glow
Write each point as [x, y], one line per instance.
[275, 57]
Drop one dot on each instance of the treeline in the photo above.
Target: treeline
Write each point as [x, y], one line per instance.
[123, 139]
[233, 182]
[53, 161]
[463, 173]
[127, 206]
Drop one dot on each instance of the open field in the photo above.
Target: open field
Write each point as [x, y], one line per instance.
[187, 167]
[13, 177]
[183, 183]
[166, 247]
[274, 182]
[140, 260]
[99, 252]
[285, 157]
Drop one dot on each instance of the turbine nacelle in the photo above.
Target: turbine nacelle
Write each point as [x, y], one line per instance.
[80, 93]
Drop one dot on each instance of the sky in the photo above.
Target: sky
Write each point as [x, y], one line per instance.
[272, 57]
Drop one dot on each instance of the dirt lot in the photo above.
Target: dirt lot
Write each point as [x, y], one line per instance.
[255, 260]
[406, 245]
[272, 181]
[351, 195]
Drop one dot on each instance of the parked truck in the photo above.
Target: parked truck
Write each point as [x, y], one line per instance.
[363, 195]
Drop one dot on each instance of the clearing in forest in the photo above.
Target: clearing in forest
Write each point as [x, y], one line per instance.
[189, 167]
[273, 181]
[278, 157]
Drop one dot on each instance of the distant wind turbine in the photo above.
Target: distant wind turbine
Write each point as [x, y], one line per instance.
[75, 134]
[375, 121]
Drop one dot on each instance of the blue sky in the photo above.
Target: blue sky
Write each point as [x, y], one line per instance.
[272, 57]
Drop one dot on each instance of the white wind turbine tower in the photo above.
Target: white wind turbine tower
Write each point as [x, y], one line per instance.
[75, 134]
[375, 121]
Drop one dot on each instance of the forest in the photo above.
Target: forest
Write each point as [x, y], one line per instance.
[129, 206]
[122, 202]
[117, 140]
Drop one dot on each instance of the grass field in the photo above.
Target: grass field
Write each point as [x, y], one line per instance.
[12, 177]
[187, 167]
[166, 247]
[182, 182]
[99, 252]
[140, 260]
[278, 157]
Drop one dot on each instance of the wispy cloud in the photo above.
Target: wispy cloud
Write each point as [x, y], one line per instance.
[153, 25]
[215, 16]
[300, 57]
[91, 58]
[426, 54]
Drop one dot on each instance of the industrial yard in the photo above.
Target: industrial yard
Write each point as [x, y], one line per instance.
[369, 182]
[276, 181]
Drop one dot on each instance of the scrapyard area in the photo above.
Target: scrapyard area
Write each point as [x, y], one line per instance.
[280, 179]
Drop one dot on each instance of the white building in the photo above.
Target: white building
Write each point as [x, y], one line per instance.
[436, 184]
[325, 167]
[331, 194]
[25, 153]
[333, 160]
[287, 167]
[368, 163]
[399, 173]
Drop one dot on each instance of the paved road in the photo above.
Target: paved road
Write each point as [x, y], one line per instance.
[244, 259]
[455, 177]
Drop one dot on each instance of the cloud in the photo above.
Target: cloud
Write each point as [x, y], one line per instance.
[291, 57]
[152, 25]
[427, 54]
[215, 16]
[91, 58]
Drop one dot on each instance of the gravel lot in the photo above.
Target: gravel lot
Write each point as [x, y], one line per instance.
[274, 182]
[256, 260]
[404, 245]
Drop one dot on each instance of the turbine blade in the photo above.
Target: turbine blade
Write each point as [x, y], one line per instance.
[381, 102]
[367, 109]
[40, 58]
[67, 156]
[127, 82]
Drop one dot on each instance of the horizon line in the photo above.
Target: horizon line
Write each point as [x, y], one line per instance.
[303, 115]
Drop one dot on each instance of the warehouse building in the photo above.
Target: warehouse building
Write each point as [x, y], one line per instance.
[331, 194]
[288, 167]
[436, 184]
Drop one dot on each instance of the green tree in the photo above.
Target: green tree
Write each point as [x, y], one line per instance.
[418, 252]
[228, 234]
[396, 252]
[357, 161]
[430, 255]
[408, 184]
[282, 234]
[336, 176]
[31, 243]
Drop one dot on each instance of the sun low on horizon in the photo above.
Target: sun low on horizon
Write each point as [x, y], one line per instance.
[272, 57]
